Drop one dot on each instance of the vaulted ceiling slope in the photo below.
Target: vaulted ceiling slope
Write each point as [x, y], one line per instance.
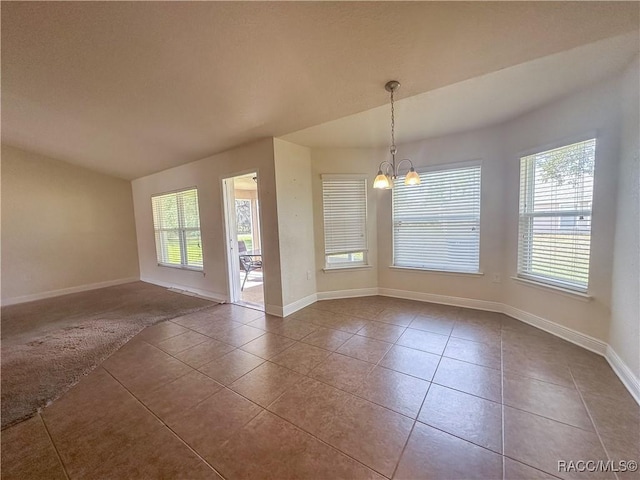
[132, 88]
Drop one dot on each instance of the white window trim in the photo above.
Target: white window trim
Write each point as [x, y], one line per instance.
[582, 296]
[439, 168]
[537, 281]
[365, 252]
[181, 230]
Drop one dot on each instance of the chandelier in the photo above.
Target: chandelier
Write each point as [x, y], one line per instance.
[391, 169]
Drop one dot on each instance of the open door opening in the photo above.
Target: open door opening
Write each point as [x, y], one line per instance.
[245, 264]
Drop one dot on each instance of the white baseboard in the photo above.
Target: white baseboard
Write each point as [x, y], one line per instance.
[568, 334]
[442, 299]
[66, 291]
[197, 292]
[624, 373]
[274, 310]
[630, 381]
[356, 292]
[299, 304]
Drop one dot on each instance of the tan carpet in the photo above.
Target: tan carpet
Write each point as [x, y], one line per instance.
[49, 345]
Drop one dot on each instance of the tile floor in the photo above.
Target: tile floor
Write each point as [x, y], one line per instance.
[357, 388]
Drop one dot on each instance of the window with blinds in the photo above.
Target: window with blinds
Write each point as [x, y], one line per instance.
[556, 192]
[436, 225]
[344, 205]
[176, 221]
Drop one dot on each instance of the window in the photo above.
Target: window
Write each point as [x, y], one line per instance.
[176, 222]
[436, 225]
[344, 203]
[556, 191]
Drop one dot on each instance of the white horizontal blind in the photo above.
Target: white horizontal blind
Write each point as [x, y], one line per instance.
[556, 192]
[344, 205]
[176, 222]
[436, 225]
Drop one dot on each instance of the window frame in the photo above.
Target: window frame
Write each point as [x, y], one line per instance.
[348, 265]
[542, 280]
[423, 171]
[181, 230]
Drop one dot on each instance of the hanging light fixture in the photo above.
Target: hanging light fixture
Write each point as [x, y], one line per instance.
[385, 180]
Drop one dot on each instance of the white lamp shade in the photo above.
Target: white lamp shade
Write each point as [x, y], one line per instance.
[412, 178]
[381, 181]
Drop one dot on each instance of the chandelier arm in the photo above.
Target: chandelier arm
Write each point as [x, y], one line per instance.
[387, 166]
[405, 160]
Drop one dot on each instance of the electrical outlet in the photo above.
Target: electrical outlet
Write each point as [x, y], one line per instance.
[495, 278]
[308, 274]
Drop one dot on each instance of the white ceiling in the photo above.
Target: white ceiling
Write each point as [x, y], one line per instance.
[478, 102]
[132, 88]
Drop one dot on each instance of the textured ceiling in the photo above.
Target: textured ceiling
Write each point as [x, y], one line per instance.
[131, 88]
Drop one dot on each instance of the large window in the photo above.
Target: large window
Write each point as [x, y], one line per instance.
[436, 225]
[344, 204]
[556, 190]
[176, 222]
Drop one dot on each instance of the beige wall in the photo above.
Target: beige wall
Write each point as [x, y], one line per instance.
[624, 336]
[594, 110]
[344, 161]
[295, 221]
[207, 175]
[63, 227]
[484, 146]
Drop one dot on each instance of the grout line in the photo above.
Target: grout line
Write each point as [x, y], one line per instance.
[504, 465]
[595, 428]
[55, 448]
[421, 406]
[167, 426]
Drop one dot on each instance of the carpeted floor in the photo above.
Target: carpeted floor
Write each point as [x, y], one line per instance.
[49, 345]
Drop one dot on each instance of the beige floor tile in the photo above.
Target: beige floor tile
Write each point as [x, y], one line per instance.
[161, 331]
[265, 383]
[556, 402]
[469, 378]
[369, 433]
[239, 336]
[27, 453]
[198, 319]
[238, 314]
[179, 395]
[432, 454]
[287, 327]
[394, 390]
[208, 425]
[435, 310]
[278, 450]
[309, 404]
[484, 354]
[301, 357]
[364, 348]
[327, 338]
[218, 327]
[146, 373]
[541, 443]
[477, 332]
[268, 345]
[395, 316]
[340, 371]
[434, 324]
[519, 363]
[382, 331]
[410, 361]
[231, 366]
[519, 471]
[466, 416]
[181, 342]
[203, 353]
[425, 341]
[599, 378]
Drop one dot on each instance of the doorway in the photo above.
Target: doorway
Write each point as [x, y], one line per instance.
[244, 240]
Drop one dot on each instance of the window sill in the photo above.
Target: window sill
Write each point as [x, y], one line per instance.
[346, 269]
[440, 272]
[583, 297]
[180, 267]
